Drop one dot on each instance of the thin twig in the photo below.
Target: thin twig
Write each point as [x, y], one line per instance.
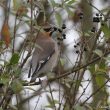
[14, 34]
[52, 96]
[37, 102]
[83, 92]
[95, 92]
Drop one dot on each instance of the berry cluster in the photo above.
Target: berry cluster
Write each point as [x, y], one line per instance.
[79, 47]
[96, 19]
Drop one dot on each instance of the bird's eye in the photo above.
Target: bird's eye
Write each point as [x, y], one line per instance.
[47, 29]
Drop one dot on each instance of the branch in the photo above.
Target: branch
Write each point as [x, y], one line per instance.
[69, 72]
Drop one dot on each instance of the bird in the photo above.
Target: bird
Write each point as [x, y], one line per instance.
[45, 55]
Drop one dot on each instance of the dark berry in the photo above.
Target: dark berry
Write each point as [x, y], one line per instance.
[97, 14]
[93, 29]
[60, 30]
[63, 26]
[81, 17]
[101, 17]
[96, 19]
[58, 38]
[75, 46]
[100, 14]
[77, 43]
[64, 36]
[77, 51]
[55, 28]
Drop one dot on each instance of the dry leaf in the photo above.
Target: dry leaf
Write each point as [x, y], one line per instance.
[5, 34]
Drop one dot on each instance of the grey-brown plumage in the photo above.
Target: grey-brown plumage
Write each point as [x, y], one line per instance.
[45, 55]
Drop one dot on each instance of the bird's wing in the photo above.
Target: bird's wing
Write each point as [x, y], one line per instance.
[41, 57]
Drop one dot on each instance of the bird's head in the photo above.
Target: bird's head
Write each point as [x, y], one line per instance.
[55, 32]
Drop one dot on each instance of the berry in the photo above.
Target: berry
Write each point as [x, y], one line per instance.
[63, 26]
[75, 46]
[81, 17]
[93, 29]
[64, 36]
[77, 51]
[77, 43]
[55, 28]
[97, 14]
[96, 19]
[100, 14]
[101, 17]
[60, 30]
